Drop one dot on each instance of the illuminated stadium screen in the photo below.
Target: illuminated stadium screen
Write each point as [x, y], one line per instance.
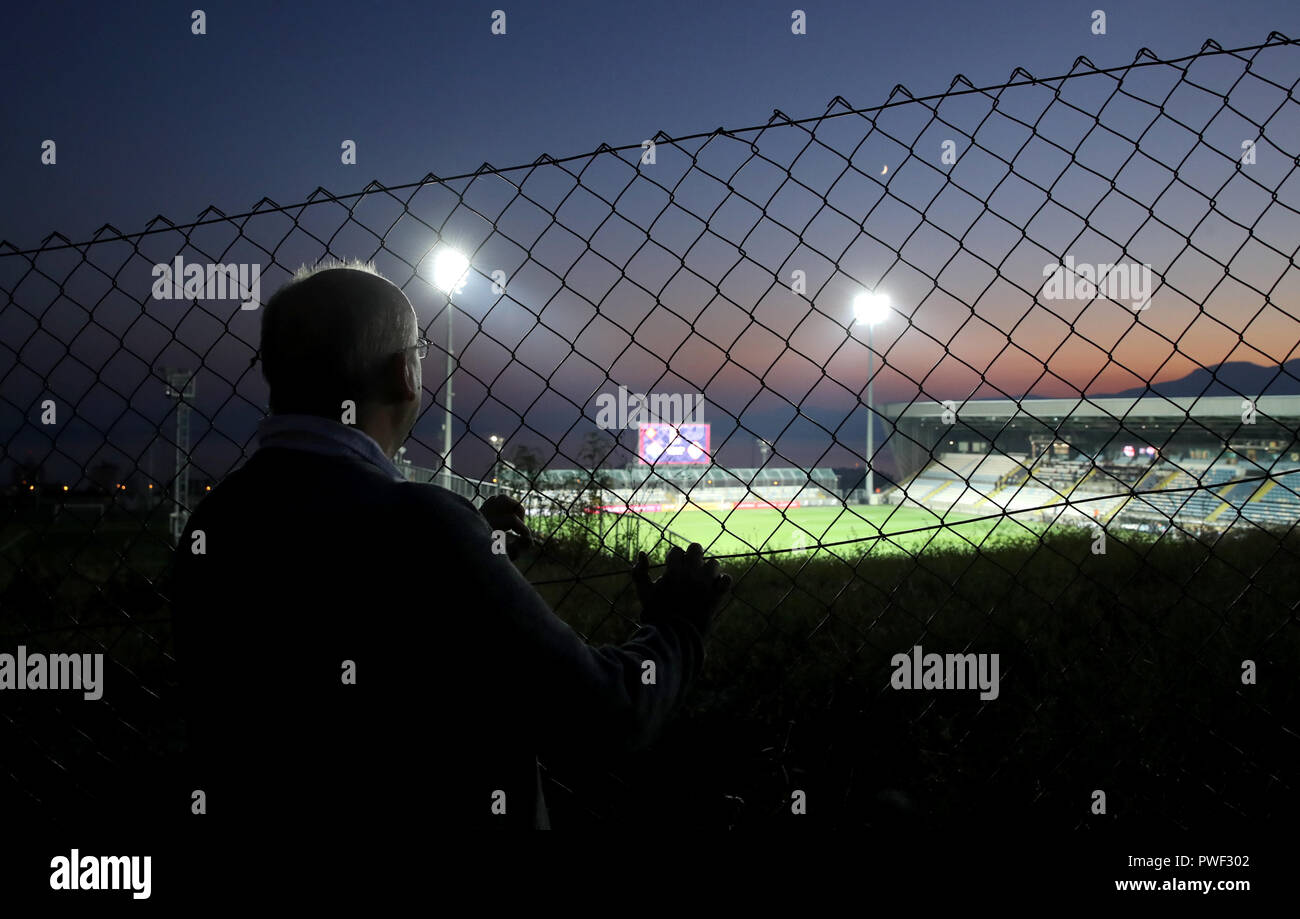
[673, 444]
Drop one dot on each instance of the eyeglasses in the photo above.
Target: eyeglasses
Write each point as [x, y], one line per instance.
[422, 344]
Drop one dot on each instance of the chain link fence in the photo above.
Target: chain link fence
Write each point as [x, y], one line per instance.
[1126, 557]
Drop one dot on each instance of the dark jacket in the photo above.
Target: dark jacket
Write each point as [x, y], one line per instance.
[463, 674]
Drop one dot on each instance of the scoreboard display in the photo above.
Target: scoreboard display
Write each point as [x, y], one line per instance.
[681, 444]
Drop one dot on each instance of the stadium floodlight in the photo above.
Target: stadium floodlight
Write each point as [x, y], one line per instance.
[870, 308]
[450, 270]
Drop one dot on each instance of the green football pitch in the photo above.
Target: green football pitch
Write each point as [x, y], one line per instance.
[881, 529]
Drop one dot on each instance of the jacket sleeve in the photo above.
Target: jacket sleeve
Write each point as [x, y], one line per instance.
[570, 693]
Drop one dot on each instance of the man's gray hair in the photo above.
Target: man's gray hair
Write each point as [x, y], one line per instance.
[326, 332]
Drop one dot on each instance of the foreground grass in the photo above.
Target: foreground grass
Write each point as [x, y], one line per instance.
[1119, 672]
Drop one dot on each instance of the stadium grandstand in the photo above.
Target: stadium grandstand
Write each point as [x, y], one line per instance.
[1149, 463]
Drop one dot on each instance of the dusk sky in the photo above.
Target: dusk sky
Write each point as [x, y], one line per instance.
[151, 119]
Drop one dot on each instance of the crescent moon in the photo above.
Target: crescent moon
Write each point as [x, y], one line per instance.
[884, 170]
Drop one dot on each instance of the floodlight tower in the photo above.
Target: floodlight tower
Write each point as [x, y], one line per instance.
[180, 386]
[497, 441]
[450, 270]
[869, 309]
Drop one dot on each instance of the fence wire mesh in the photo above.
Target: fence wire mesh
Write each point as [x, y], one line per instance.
[1042, 241]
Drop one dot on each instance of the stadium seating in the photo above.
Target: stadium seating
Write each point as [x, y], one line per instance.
[1171, 489]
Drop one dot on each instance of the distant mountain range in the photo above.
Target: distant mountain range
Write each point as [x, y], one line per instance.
[1229, 379]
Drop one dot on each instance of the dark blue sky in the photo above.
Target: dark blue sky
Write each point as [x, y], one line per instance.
[151, 119]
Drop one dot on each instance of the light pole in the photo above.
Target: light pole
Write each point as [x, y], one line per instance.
[496, 463]
[450, 270]
[870, 308]
[180, 386]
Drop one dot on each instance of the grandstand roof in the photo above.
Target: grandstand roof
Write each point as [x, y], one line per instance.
[1102, 409]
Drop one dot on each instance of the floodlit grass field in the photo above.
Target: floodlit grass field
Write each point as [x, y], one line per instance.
[881, 530]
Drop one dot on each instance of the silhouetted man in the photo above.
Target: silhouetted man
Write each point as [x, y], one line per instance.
[351, 646]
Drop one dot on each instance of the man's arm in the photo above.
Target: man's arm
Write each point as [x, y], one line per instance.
[570, 693]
